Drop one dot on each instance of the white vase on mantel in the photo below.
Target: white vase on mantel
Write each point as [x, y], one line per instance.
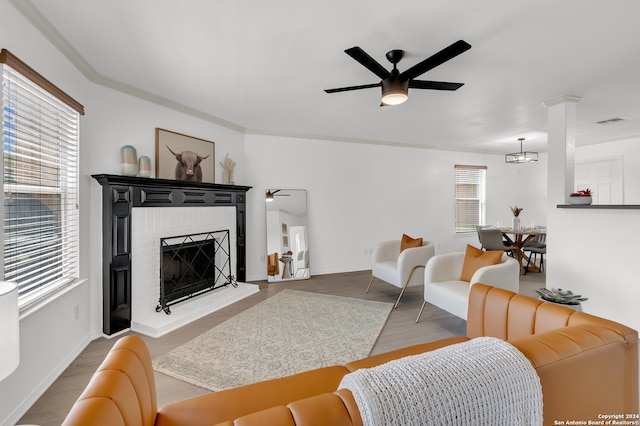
[515, 223]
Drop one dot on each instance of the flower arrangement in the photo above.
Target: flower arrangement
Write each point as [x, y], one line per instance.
[516, 210]
[581, 193]
[228, 165]
[558, 295]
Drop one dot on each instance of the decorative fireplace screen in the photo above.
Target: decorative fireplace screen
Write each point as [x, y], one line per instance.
[193, 264]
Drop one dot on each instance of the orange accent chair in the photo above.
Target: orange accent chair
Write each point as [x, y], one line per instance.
[272, 264]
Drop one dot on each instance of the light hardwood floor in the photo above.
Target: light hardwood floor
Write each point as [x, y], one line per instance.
[399, 331]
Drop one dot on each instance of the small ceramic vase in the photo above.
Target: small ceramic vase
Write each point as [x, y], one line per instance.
[144, 166]
[129, 160]
[515, 223]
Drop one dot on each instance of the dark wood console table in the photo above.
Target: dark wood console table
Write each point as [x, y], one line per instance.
[122, 193]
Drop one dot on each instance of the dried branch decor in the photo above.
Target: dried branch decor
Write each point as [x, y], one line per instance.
[516, 210]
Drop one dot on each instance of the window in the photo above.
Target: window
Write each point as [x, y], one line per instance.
[40, 132]
[470, 197]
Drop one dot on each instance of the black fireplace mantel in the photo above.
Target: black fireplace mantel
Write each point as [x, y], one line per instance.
[122, 193]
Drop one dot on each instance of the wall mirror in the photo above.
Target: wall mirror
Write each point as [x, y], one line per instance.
[287, 242]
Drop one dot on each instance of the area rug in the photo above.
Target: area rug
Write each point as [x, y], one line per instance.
[290, 332]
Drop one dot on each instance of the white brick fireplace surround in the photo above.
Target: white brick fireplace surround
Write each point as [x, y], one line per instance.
[148, 225]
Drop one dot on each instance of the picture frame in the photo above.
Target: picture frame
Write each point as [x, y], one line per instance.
[170, 145]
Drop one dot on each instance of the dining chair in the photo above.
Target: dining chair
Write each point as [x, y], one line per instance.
[478, 228]
[535, 248]
[491, 239]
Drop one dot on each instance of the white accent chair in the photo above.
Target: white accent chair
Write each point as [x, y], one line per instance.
[302, 264]
[444, 289]
[400, 269]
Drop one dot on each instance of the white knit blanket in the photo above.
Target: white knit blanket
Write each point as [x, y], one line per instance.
[484, 381]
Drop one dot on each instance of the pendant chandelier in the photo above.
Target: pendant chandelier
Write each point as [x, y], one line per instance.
[522, 156]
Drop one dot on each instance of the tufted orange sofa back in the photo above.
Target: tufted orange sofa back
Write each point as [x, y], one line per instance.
[573, 352]
[506, 315]
[122, 391]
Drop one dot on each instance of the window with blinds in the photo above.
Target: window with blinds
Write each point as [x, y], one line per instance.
[470, 197]
[40, 136]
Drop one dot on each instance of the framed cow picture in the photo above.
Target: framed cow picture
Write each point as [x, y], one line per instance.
[183, 157]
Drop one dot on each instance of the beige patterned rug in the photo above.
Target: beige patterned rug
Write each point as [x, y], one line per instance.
[290, 332]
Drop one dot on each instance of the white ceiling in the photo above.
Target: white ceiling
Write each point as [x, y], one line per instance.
[262, 66]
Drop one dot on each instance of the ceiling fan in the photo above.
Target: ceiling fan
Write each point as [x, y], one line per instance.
[270, 194]
[396, 84]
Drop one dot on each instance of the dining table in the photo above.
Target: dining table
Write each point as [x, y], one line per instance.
[520, 238]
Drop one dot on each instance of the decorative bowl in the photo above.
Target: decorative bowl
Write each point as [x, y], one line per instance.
[580, 200]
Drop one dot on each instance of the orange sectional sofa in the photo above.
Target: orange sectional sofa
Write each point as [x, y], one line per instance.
[588, 367]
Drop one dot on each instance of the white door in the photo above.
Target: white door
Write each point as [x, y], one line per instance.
[603, 177]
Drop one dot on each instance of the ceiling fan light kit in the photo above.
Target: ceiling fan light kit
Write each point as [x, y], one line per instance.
[395, 84]
[522, 156]
[394, 92]
[270, 194]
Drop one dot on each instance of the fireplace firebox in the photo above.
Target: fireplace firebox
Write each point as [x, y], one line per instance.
[193, 264]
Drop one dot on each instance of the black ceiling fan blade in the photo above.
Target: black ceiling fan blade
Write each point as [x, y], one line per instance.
[368, 62]
[434, 85]
[345, 89]
[433, 61]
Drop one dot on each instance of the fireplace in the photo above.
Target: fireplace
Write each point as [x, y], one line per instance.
[193, 264]
[136, 213]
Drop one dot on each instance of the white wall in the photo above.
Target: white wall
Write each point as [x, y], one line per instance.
[629, 150]
[50, 338]
[273, 228]
[360, 194]
[115, 119]
[593, 252]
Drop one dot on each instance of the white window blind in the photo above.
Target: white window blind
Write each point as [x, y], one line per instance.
[40, 136]
[470, 197]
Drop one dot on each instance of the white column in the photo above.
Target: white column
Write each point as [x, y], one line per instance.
[561, 148]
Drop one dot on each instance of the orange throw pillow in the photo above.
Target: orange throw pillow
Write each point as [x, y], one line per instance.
[474, 259]
[408, 242]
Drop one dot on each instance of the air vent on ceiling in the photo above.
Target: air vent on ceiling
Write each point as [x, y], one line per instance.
[611, 120]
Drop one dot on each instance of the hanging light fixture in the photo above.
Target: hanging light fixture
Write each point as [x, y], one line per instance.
[522, 156]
